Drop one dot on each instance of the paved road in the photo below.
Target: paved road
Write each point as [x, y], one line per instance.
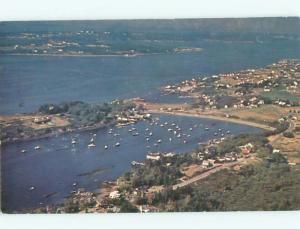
[205, 174]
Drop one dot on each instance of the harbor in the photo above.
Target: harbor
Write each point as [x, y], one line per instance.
[63, 162]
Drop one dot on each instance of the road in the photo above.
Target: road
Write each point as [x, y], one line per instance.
[205, 174]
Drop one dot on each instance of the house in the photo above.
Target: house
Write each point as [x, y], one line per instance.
[114, 194]
[153, 156]
[247, 149]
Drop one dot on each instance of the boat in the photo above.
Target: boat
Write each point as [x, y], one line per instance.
[170, 139]
[147, 139]
[31, 188]
[110, 131]
[117, 144]
[73, 142]
[105, 147]
[37, 147]
[215, 133]
[92, 140]
[206, 128]
[150, 134]
[227, 132]
[159, 141]
[23, 151]
[191, 129]
[91, 145]
[135, 134]
[147, 129]
[74, 184]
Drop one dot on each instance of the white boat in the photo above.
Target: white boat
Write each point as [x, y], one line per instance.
[227, 132]
[31, 188]
[23, 151]
[91, 145]
[92, 140]
[105, 147]
[191, 129]
[170, 139]
[150, 134]
[37, 147]
[147, 139]
[73, 142]
[135, 134]
[159, 141]
[94, 135]
[117, 144]
[206, 128]
[74, 184]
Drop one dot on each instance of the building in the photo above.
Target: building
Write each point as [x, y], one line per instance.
[114, 194]
[153, 156]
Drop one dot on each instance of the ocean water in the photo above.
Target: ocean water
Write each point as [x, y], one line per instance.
[26, 82]
[58, 164]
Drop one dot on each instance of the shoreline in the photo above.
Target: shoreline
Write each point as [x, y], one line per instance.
[96, 127]
[237, 121]
[93, 55]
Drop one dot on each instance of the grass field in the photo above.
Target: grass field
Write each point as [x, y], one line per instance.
[277, 94]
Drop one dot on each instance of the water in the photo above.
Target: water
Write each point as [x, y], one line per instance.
[29, 81]
[26, 82]
[58, 164]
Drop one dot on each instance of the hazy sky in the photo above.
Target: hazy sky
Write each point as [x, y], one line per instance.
[129, 9]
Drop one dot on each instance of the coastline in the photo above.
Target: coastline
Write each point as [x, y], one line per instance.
[237, 121]
[94, 55]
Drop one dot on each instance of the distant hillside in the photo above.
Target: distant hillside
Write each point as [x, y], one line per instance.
[278, 25]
